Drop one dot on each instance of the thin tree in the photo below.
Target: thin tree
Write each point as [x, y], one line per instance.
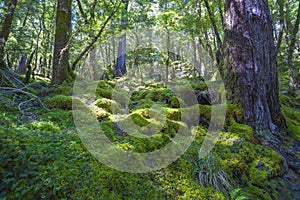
[61, 44]
[290, 51]
[251, 77]
[120, 65]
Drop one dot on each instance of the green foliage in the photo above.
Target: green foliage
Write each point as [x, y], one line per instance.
[291, 112]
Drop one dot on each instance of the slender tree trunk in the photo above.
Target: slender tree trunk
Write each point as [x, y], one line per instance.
[121, 59]
[91, 64]
[95, 39]
[292, 79]
[29, 67]
[5, 30]
[61, 44]
[22, 65]
[251, 77]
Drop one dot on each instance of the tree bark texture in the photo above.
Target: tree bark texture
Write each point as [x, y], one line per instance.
[5, 30]
[251, 77]
[61, 44]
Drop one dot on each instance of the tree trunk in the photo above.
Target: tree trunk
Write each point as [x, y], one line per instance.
[251, 78]
[91, 64]
[22, 65]
[29, 68]
[5, 30]
[121, 59]
[292, 79]
[61, 44]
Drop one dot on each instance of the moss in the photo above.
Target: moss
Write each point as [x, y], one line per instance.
[233, 112]
[258, 174]
[175, 102]
[46, 126]
[292, 117]
[205, 111]
[100, 113]
[104, 89]
[258, 193]
[64, 89]
[173, 113]
[245, 132]
[139, 119]
[63, 102]
[199, 86]
[107, 105]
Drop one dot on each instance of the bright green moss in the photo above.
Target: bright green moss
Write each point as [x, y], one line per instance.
[245, 132]
[292, 117]
[107, 105]
[173, 113]
[139, 119]
[258, 173]
[104, 89]
[46, 126]
[199, 86]
[63, 102]
[64, 89]
[205, 111]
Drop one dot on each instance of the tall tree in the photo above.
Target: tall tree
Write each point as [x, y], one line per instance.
[62, 43]
[291, 48]
[5, 30]
[251, 77]
[120, 65]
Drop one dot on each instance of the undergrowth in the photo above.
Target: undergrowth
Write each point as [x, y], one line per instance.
[43, 157]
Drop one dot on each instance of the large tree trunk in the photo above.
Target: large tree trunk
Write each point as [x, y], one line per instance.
[5, 30]
[61, 44]
[251, 77]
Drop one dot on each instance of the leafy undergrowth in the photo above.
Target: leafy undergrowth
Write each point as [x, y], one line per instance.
[43, 158]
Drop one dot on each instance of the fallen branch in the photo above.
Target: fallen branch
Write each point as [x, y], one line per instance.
[33, 96]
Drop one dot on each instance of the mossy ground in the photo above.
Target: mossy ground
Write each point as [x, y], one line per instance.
[43, 158]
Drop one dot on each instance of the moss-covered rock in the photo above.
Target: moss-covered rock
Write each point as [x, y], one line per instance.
[63, 89]
[107, 105]
[104, 89]
[63, 102]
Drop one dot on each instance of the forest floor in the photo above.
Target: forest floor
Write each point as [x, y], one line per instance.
[43, 157]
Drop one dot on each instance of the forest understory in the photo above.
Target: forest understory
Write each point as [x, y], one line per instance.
[155, 99]
[42, 156]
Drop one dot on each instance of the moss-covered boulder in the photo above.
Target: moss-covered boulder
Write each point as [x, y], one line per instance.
[63, 102]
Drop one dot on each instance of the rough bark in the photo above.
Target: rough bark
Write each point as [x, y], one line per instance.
[61, 44]
[251, 77]
[5, 30]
